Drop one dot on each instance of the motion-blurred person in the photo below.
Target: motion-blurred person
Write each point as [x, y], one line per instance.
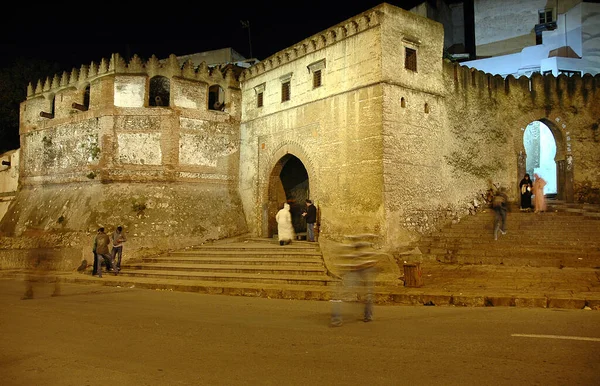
[285, 228]
[38, 270]
[357, 265]
[539, 201]
[500, 206]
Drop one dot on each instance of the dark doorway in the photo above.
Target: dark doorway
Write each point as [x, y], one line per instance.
[288, 183]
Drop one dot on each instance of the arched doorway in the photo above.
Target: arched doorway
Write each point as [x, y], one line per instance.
[288, 182]
[540, 147]
[547, 154]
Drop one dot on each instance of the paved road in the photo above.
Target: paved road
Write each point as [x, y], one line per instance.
[95, 335]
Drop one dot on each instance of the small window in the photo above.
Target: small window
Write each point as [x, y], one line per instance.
[159, 92]
[402, 102]
[316, 69]
[259, 99]
[216, 98]
[285, 91]
[410, 59]
[545, 16]
[317, 79]
[426, 108]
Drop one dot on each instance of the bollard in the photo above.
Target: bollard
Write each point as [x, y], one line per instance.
[412, 275]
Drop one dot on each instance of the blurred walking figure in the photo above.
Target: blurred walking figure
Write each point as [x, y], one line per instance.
[285, 228]
[500, 206]
[539, 201]
[118, 238]
[357, 267]
[526, 187]
[38, 272]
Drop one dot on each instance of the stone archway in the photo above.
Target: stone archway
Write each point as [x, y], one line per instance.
[288, 182]
[564, 163]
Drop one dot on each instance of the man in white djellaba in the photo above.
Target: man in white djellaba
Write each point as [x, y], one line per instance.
[285, 229]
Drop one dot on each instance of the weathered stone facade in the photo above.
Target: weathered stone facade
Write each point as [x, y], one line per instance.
[393, 139]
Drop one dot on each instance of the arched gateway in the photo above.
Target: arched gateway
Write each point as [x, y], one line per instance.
[563, 160]
[288, 182]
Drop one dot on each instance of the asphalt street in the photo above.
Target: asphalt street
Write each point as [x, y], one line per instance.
[98, 335]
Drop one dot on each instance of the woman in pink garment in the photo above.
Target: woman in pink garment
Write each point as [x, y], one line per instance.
[539, 201]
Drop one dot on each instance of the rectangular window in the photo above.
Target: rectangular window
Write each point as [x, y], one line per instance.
[285, 91]
[317, 78]
[259, 99]
[410, 59]
[545, 16]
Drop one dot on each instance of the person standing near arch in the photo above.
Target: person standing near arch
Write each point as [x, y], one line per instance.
[526, 187]
[310, 215]
[539, 201]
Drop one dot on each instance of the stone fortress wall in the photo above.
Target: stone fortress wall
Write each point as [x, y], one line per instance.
[95, 152]
[387, 149]
[400, 152]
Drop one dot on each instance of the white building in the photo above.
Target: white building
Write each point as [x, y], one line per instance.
[561, 43]
[520, 37]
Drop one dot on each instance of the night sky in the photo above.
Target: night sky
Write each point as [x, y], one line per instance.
[72, 36]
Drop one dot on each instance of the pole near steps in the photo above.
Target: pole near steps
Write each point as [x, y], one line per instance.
[413, 276]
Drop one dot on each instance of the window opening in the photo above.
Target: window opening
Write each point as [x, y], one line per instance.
[259, 100]
[86, 101]
[49, 115]
[410, 59]
[426, 108]
[317, 79]
[285, 91]
[160, 91]
[316, 69]
[402, 102]
[545, 16]
[216, 98]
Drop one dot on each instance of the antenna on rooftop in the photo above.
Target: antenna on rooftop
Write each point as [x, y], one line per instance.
[246, 24]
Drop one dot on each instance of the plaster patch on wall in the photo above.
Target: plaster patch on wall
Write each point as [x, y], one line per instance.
[130, 91]
[138, 122]
[67, 147]
[139, 148]
[193, 124]
[183, 101]
[204, 149]
[206, 176]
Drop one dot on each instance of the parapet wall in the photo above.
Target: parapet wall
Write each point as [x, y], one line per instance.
[491, 113]
[116, 134]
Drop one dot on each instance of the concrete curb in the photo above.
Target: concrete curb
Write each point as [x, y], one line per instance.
[400, 296]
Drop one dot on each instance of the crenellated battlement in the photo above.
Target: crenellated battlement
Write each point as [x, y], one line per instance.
[328, 37]
[539, 87]
[169, 68]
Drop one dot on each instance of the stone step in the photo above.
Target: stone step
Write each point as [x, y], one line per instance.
[230, 253]
[512, 261]
[247, 260]
[231, 268]
[320, 280]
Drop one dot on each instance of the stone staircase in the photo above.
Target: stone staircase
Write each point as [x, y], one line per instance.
[252, 260]
[566, 235]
